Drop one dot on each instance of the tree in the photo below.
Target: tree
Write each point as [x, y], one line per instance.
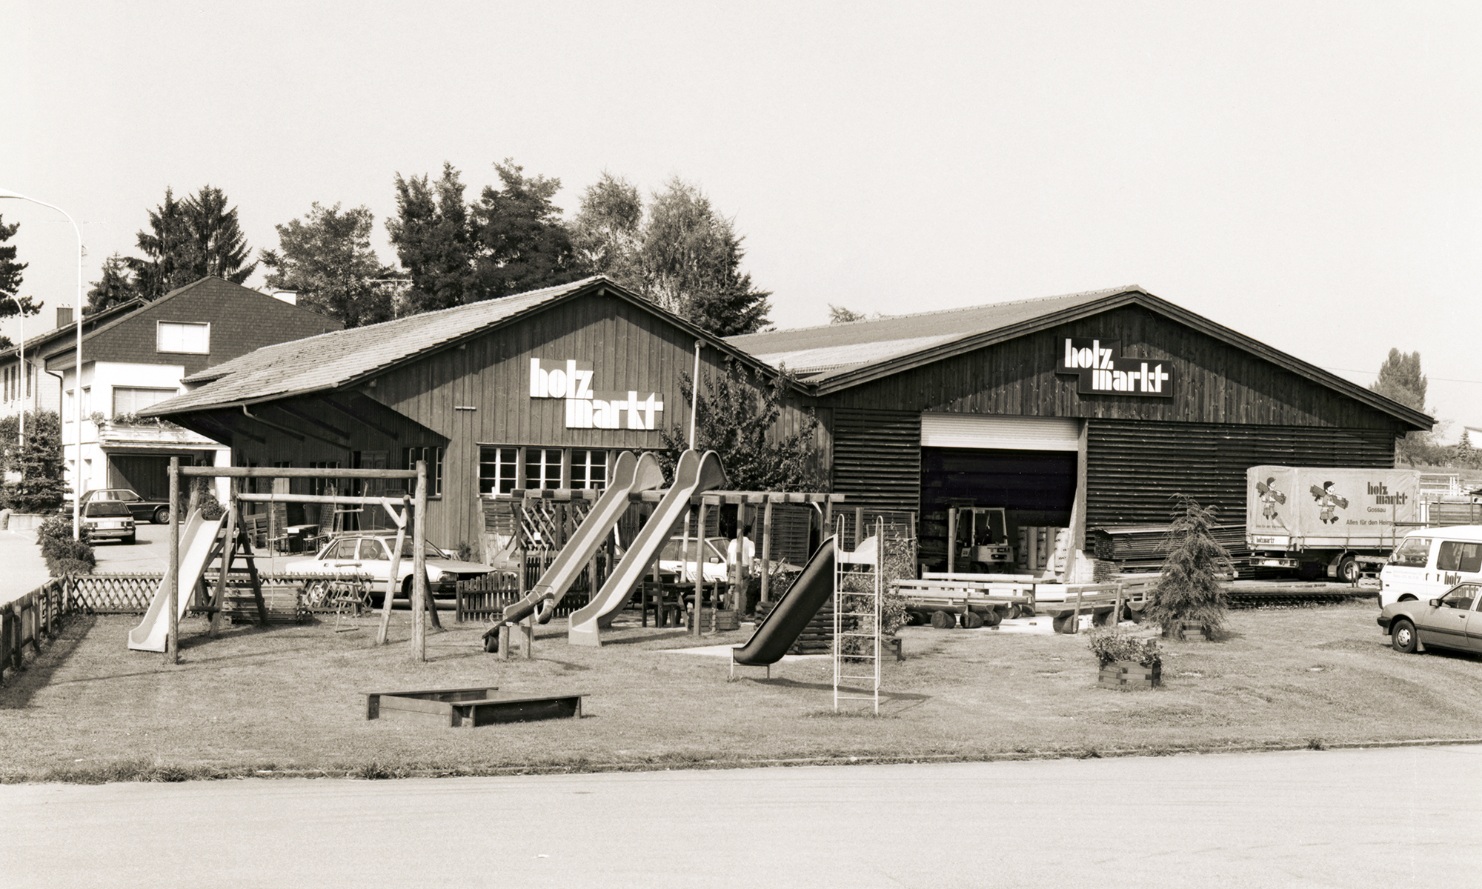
[10, 270]
[327, 257]
[520, 242]
[842, 315]
[38, 463]
[188, 240]
[735, 416]
[607, 232]
[1191, 586]
[690, 262]
[432, 240]
[115, 287]
[1400, 379]
[1463, 455]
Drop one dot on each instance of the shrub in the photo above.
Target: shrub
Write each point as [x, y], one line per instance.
[1192, 585]
[1111, 646]
[64, 555]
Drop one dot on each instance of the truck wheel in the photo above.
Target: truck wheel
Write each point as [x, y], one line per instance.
[1348, 570]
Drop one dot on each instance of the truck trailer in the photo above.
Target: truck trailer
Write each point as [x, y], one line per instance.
[1331, 521]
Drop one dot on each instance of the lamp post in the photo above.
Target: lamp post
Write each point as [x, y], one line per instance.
[20, 315]
[77, 363]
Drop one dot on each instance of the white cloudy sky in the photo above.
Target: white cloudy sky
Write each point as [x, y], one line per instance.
[1308, 173]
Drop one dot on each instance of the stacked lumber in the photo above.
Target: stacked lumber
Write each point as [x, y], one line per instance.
[1143, 547]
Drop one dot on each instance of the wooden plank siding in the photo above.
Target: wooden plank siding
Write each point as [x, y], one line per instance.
[1217, 382]
[1136, 470]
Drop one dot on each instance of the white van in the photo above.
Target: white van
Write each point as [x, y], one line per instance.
[1430, 561]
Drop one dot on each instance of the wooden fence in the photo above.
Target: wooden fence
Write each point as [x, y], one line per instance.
[30, 620]
[484, 598]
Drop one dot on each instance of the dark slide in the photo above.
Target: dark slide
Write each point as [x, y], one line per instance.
[780, 628]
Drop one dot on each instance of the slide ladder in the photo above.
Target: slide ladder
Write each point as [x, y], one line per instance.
[197, 536]
[695, 474]
[631, 474]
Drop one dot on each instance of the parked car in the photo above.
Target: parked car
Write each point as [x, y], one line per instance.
[677, 560]
[369, 554]
[141, 508]
[107, 520]
[1450, 621]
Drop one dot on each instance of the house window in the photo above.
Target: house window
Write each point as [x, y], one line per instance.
[319, 487]
[132, 399]
[588, 468]
[498, 470]
[433, 457]
[180, 336]
[542, 467]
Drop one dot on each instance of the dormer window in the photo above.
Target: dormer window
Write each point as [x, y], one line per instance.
[185, 337]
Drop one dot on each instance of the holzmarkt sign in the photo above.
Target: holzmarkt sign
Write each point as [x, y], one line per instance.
[1103, 371]
[587, 408]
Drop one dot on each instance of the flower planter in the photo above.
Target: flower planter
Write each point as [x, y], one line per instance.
[1130, 674]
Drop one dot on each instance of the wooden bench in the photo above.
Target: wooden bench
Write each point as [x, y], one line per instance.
[468, 707]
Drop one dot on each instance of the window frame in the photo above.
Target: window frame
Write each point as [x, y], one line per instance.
[160, 345]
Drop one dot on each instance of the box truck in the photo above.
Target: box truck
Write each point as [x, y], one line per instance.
[1328, 520]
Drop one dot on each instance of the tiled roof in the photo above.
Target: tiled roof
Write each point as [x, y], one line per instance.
[817, 353]
[335, 359]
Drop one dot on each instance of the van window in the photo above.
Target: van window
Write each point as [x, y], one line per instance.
[1412, 551]
[1455, 555]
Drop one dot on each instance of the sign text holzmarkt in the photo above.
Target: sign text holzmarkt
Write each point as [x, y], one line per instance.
[588, 408]
[1102, 371]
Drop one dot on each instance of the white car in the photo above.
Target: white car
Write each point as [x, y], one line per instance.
[369, 554]
[677, 559]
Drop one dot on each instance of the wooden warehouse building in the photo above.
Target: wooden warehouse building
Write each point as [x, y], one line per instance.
[1080, 412]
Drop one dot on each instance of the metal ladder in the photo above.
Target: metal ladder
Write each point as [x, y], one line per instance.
[857, 589]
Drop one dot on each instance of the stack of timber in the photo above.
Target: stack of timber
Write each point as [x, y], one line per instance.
[1143, 547]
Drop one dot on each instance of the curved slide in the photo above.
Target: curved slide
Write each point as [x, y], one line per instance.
[696, 473]
[784, 623]
[630, 475]
[196, 537]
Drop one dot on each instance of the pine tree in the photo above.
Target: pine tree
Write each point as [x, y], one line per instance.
[431, 235]
[188, 240]
[520, 242]
[115, 287]
[11, 272]
[1192, 585]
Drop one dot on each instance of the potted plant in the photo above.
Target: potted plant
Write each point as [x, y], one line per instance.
[1126, 661]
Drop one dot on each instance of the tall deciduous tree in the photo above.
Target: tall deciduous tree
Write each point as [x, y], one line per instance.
[432, 240]
[114, 287]
[327, 257]
[678, 252]
[188, 240]
[520, 241]
[691, 264]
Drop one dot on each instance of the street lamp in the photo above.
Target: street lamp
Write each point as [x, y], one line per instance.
[20, 314]
[77, 363]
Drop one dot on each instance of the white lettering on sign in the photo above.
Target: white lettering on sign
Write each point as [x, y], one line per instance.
[1102, 370]
[587, 408]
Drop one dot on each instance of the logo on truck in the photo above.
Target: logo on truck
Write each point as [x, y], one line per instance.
[1102, 370]
[1270, 498]
[1328, 503]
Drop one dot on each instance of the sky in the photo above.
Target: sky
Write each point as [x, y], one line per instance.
[1306, 173]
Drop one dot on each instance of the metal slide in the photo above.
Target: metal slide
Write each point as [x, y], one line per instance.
[630, 475]
[784, 623]
[695, 474]
[196, 537]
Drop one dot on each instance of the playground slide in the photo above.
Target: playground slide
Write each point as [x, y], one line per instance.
[196, 537]
[630, 475]
[784, 623]
[696, 473]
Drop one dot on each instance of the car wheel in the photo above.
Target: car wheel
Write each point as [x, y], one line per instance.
[1402, 636]
[406, 588]
[1348, 570]
[130, 539]
[162, 515]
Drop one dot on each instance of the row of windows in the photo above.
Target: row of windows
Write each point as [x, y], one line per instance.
[13, 387]
[503, 469]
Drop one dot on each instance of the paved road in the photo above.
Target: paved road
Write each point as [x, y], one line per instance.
[21, 567]
[1311, 819]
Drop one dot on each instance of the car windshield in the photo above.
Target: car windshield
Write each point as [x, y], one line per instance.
[107, 508]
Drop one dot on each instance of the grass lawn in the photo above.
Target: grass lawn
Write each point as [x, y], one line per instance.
[289, 700]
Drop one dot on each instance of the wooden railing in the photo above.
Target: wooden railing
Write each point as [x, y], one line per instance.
[30, 620]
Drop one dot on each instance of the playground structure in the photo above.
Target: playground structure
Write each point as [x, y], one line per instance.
[200, 542]
[592, 554]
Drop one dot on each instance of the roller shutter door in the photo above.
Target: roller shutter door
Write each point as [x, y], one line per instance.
[1000, 433]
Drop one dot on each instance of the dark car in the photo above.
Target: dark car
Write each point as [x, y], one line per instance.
[1452, 621]
[141, 508]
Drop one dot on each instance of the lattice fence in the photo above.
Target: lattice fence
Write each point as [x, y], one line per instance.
[114, 593]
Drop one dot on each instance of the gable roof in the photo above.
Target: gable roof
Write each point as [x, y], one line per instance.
[66, 334]
[834, 357]
[345, 357]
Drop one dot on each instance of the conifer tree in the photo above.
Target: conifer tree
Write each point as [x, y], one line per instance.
[1192, 585]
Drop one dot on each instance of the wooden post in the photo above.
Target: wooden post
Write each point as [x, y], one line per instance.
[529, 624]
[766, 594]
[699, 567]
[951, 540]
[419, 566]
[391, 590]
[1117, 615]
[1075, 619]
[172, 575]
